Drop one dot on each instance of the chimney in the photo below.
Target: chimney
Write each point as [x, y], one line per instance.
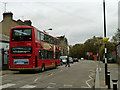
[7, 15]
[27, 22]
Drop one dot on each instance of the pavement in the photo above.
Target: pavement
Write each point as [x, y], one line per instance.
[114, 71]
[4, 72]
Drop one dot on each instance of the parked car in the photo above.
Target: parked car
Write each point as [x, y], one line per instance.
[70, 60]
[63, 59]
[75, 60]
[82, 58]
[109, 60]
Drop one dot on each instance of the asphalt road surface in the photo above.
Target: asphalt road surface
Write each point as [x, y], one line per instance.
[79, 75]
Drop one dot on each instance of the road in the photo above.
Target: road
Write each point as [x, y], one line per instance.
[79, 75]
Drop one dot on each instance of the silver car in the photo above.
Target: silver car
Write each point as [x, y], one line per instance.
[64, 59]
[70, 60]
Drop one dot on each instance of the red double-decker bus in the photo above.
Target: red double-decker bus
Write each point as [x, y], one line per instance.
[32, 49]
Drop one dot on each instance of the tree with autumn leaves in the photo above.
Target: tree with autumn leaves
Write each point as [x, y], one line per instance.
[94, 45]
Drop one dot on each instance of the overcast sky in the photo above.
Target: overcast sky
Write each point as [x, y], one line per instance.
[78, 20]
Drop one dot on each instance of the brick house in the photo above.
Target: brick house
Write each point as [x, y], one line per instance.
[63, 43]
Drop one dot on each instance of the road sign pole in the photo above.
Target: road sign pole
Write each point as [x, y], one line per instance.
[105, 42]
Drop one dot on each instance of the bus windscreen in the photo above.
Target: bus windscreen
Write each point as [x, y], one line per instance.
[21, 34]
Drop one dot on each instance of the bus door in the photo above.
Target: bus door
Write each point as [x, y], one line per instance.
[36, 61]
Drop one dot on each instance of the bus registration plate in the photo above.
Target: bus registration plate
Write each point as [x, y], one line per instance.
[21, 61]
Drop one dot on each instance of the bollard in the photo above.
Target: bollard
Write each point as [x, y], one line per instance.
[108, 79]
[114, 84]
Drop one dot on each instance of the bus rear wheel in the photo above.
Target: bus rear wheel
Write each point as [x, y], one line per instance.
[21, 71]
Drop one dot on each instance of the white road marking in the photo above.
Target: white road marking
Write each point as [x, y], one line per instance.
[83, 87]
[50, 87]
[97, 69]
[7, 85]
[87, 83]
[50, 74]
[89, 80]
[28, 86]
[35, 79]
[67, 85]
[53, 83]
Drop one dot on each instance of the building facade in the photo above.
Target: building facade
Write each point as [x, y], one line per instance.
[63, 43]
[8, 23]
[118, 53]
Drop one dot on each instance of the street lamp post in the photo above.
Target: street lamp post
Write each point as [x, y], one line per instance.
[47, 30]
[105, 43]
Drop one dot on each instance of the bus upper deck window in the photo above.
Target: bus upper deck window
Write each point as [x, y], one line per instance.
[22, 34]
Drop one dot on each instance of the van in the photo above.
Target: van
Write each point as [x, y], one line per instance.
[63, 59]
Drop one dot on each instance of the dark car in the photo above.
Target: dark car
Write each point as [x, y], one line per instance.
[75, 60]
[109, 60]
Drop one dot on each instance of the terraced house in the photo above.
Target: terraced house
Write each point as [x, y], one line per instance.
[63, 43]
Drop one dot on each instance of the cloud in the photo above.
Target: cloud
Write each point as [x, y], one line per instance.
[77, 20]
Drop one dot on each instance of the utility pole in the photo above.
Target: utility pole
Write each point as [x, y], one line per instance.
[5, 5]
[105, 42]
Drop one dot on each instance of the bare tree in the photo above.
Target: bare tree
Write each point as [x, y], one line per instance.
[116, 37]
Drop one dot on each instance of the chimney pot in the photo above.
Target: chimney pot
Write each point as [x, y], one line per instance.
[28, 22]
[7, 15]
